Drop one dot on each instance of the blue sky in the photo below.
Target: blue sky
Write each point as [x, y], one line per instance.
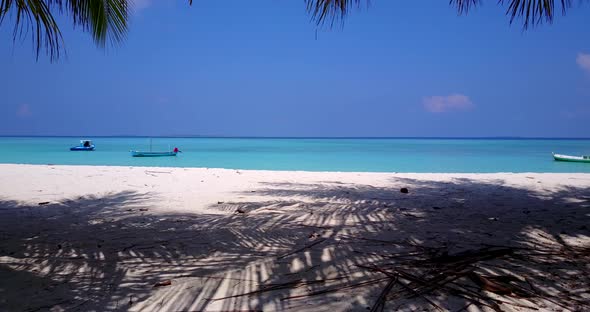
[255, 68]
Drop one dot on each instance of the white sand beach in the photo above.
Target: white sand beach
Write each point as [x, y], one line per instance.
[97, 238]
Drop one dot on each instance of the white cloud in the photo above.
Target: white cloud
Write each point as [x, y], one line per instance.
[441, 104]
[583, 61]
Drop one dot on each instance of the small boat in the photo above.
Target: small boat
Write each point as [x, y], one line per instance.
[85, 145]
[152, 154]
[560, 157]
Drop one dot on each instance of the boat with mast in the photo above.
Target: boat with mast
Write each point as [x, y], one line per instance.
[151, 153]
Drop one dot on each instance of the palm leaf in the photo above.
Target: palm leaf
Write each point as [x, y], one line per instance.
[36, 17]
[323, 11]
[531, 12]
[106, 20]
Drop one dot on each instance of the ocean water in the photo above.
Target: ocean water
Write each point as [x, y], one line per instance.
[375, 155]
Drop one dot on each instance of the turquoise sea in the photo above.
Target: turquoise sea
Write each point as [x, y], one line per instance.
[377, 155]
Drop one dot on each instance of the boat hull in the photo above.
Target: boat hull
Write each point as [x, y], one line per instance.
[82, 148]
[151, 154]
[583, 159]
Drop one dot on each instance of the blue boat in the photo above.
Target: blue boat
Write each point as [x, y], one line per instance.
[85, 145]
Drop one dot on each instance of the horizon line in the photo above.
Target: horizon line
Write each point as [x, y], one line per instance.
[298, 137]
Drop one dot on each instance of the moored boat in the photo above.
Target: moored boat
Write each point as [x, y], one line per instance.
[152, 154]
[85, 145]
[561, 157]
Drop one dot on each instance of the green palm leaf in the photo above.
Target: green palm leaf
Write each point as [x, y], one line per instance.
[106, 20]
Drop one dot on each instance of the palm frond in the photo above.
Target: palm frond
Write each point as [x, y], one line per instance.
[323, 11]
[463, 6]
[106, 20]
[33, 16]
[531, 12]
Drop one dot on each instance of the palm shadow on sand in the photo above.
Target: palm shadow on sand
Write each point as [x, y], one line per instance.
[324, 246]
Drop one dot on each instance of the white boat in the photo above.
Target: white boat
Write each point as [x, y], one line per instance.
[561, 157]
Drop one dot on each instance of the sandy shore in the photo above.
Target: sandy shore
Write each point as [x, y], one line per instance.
[90, 238]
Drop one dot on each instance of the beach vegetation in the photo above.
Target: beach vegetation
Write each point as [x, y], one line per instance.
[107, 21]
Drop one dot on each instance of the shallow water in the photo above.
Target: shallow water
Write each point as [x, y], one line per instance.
[376, 155]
